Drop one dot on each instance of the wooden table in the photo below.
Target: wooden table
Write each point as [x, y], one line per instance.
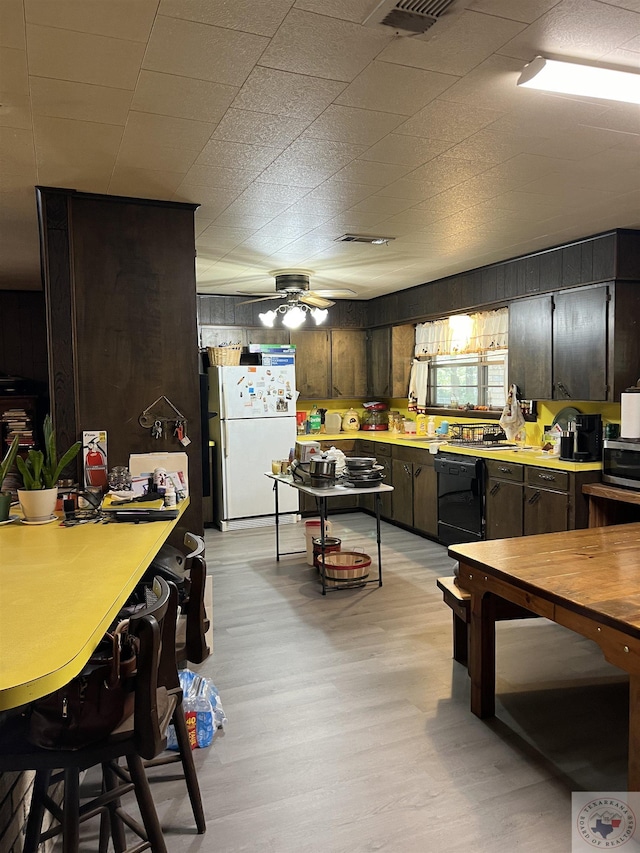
[60, 589]
[587, 580]
[611, 504]
[321, 496]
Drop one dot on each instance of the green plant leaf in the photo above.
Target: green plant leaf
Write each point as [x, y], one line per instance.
[68, 456]
[9, 458]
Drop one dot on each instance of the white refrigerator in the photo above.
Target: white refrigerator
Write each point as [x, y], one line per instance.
[255, 423]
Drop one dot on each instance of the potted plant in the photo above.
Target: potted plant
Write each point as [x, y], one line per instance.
[5, 467]
[40, 472]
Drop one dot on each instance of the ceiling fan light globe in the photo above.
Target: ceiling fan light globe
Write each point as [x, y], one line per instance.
[319, 315]
[294, 317]
[268, 318]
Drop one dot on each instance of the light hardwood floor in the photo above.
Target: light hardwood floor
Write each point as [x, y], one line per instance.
[348, 722]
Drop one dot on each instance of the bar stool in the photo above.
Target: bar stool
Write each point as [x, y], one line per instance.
[141, 736]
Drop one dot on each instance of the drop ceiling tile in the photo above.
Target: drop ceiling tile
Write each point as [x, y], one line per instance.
[320, 46]
[14, 76]
[405, 150]
[95, 180]
[490, 148]
[213, 176]
[15, 111]
[16, 151]
[249, 207]
[584, 29]
[300, 220]
[230, 155]
[254, 220]
[457, 49]
[12, 24]
[167, 94]
[268, 90]
[374, 174]
[492, 86]
[445, 171]
[348, 124]
[395, 88]
[202, 51]
[621, 118]
[216, 199]
[15, 174]
[119, 19]
[155, 156]
[547, 113]
[442, 119]
[222, 238]
[357, 220]
[166, 130]
[259, 128]
[81, 144]
[144, 183]
[380, 205]
[259, 193]
[345, 193]
[526, 11]
[85, 58]
[82, 101]
[308, 162]
[260, 18]
[346, 10]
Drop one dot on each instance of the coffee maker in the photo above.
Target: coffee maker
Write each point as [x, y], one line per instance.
[588, 439]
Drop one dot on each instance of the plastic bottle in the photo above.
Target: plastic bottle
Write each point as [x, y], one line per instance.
[421, 425]
[169, 494]
[315, 421]
[431, 426]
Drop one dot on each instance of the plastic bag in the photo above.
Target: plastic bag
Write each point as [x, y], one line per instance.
[512, 419]
[340, 459]
[203, 710]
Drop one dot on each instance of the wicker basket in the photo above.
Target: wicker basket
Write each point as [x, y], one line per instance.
[345, 568]
[225, 355]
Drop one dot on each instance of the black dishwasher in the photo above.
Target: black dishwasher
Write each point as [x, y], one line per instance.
[460, 498]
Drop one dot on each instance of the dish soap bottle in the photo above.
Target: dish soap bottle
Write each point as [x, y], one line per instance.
[315, 421]
[421, 425]
[431, 426]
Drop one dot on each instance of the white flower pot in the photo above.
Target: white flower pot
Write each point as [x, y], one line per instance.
[39, 504]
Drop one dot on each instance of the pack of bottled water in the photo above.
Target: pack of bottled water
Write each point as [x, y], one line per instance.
[202, 710]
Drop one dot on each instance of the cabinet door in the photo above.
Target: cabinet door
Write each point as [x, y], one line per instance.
[379, 363]
[402, 495]
[580, 344]
[312, 362]
[530, 347]
[425, 496]
[348, 363]
[403, 341]
[504, 511]
[545, 511]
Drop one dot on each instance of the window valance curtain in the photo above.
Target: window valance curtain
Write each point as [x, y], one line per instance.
[479, 332]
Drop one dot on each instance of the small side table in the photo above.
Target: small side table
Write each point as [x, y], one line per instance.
[321, 496]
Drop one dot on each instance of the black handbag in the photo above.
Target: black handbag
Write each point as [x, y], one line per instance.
[94, 703]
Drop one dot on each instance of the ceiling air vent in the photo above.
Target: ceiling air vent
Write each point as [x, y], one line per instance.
[363, 238]
[411, 17]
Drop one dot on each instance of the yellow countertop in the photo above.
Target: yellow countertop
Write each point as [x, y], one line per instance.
[529, 456]
[60, 589]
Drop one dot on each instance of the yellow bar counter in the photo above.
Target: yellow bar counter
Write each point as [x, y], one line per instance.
[60, 589]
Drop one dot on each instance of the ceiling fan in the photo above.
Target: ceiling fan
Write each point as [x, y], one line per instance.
[294, 288]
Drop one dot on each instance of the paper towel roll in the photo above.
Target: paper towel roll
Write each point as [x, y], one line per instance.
[630, 415]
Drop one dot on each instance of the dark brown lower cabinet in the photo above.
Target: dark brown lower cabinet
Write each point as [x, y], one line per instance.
[414, 498]
[402, 495]
[523, 500]
[382, 454]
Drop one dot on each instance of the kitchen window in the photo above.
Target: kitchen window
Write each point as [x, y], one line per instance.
[461, 361]
[476, 378]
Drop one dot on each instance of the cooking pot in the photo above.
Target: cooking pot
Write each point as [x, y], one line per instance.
[358, 462]
[300, 471]
[321, 466]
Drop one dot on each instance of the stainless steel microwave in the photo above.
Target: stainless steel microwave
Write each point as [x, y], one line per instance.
[621, 462]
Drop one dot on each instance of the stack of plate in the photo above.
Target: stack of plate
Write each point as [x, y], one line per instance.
[362, 472]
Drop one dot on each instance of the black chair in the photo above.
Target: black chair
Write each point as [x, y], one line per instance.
[193, 622]
[141, 736]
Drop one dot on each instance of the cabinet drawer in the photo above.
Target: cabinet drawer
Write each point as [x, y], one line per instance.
[382, 449]
[366, 448]
[347, 445]
[548, 478]
[505, 470]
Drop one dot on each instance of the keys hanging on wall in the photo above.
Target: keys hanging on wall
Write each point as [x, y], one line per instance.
[156, 429]
[180, 432]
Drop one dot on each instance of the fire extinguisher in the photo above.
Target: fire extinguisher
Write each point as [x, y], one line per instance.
[95, 465]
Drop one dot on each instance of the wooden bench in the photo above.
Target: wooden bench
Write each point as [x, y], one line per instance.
[459, 600]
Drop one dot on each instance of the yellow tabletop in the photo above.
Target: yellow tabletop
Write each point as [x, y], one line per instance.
[60, 589]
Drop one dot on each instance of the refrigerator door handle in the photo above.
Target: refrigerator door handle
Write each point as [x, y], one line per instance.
[225, 429]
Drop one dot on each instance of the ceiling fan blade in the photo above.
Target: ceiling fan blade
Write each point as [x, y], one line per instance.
[316, 301]
[261, 299]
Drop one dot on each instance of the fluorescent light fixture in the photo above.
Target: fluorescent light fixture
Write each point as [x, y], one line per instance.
[268, 318]
[568, 78]
[294, 317]
[319, 315]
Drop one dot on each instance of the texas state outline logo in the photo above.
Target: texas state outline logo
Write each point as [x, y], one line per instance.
[606, 823]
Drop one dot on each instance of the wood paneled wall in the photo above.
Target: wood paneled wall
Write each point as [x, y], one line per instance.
[121, 316]
[23, 335]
